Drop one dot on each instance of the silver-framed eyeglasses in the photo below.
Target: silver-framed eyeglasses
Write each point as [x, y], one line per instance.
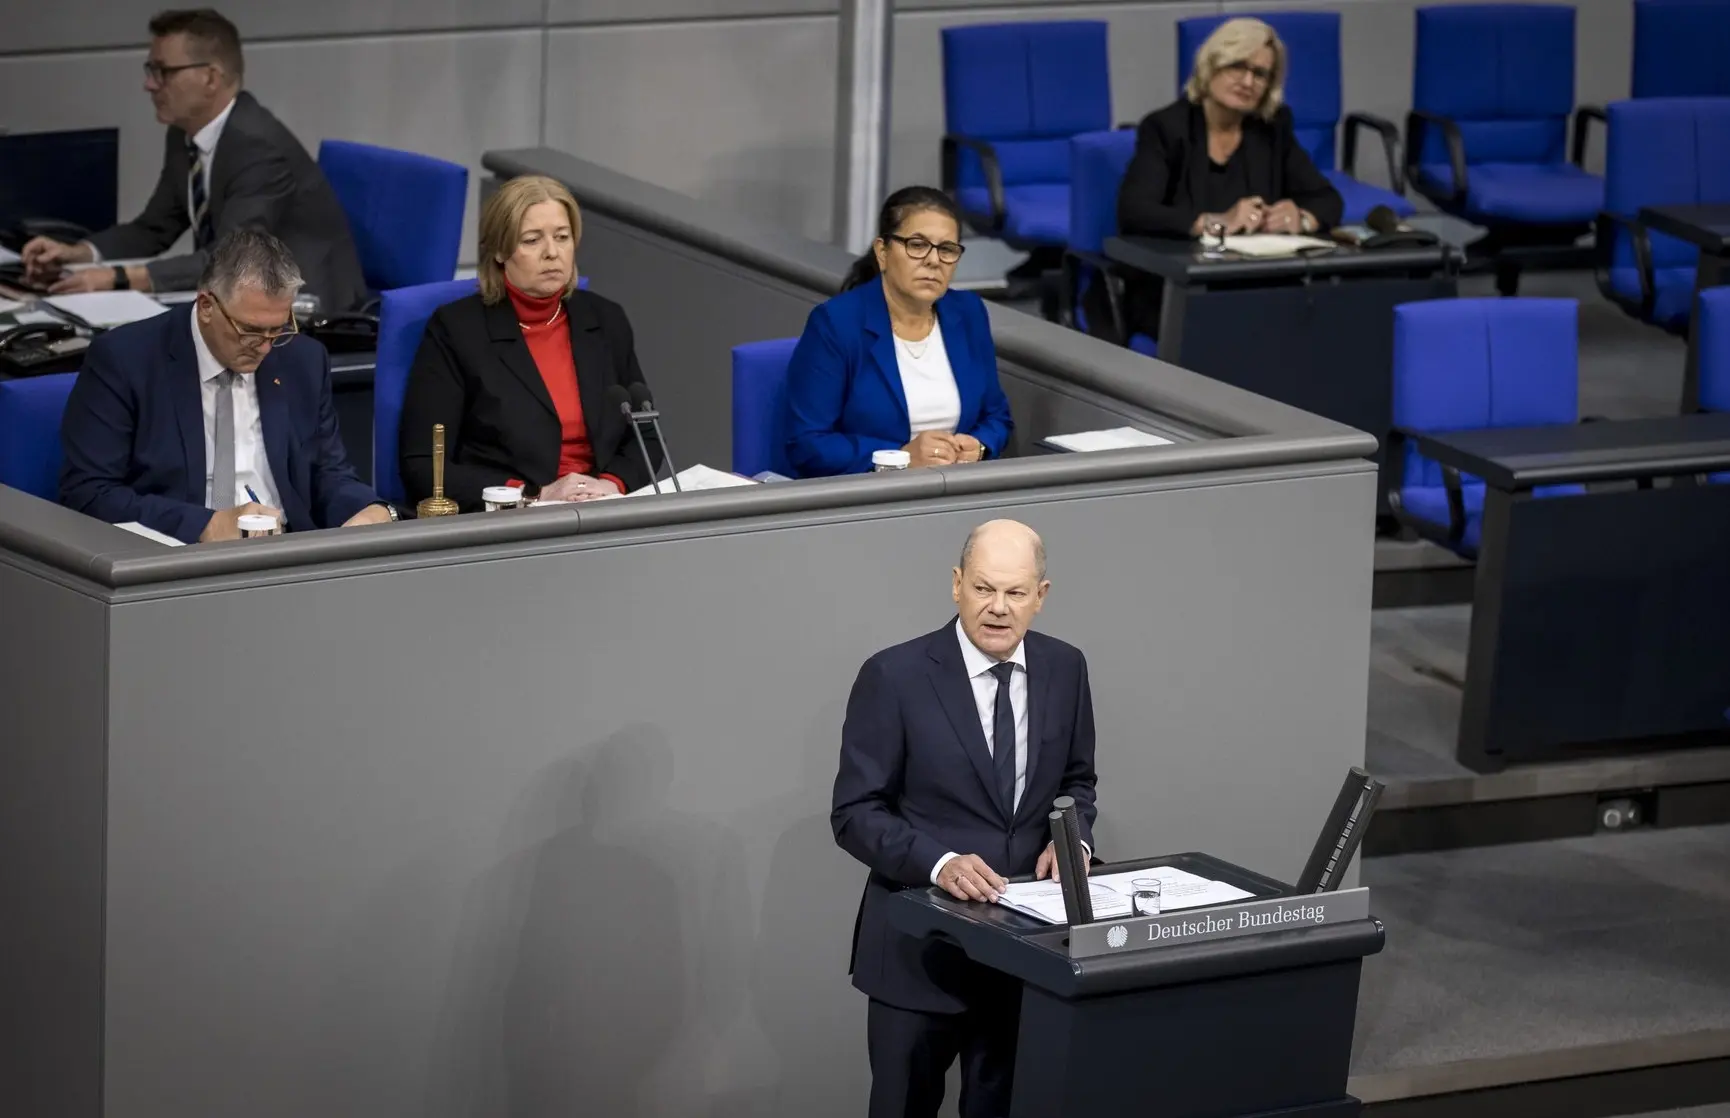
[274, 336]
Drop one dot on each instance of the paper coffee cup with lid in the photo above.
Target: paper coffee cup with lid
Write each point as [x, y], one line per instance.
[254, 524]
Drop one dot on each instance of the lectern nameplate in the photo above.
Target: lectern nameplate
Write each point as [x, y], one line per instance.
[1244, 918]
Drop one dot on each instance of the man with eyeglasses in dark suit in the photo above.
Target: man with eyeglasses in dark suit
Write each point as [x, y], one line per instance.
[228, 162]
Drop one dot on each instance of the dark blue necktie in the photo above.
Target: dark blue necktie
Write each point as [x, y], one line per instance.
[203, 232]
[1003, 740]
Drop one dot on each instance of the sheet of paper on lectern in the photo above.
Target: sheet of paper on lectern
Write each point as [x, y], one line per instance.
[1179, 889]
[1272, 244]
[138, 529]
[1113, 438]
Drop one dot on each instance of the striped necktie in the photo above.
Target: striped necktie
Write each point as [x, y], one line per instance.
[202, 231]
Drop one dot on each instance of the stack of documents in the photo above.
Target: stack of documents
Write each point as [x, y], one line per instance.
[1272, 244]
[696, 478]
[108, 308]
[1113, 438]
[1043, 900]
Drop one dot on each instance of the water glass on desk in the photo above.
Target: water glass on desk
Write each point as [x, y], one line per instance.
[1145, 896]
[1213, 239]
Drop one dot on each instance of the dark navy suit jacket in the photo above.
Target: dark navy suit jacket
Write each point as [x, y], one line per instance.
[915, 783]
[844, 394]
[133, 433]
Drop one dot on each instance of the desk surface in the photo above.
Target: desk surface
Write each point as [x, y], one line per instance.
[1179, 261]
[1705, 226]
[1512, 458]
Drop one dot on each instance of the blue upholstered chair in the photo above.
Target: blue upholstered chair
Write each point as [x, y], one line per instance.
[1013, 95]
[1097, 161]
[1679, 48]
[1312, 90]
[30, 411]
[404, 210]
[1661, 151]
[1486, 140]
[402, 318]
[1715, 355]
[760, 405]
[1468, 364]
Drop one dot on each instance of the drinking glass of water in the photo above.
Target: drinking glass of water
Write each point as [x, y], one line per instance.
[1145, 896]
[1213, 238]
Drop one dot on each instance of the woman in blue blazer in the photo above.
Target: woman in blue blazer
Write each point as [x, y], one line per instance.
[897, 361]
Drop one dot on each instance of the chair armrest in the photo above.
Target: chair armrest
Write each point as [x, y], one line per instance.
[952, 145]
[1583, 118]
[1073, 261]
[1450, 136]
[1605, 247]
[1456, 505]
[1354, 122]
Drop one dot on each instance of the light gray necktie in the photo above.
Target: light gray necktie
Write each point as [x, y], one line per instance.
[222, 467]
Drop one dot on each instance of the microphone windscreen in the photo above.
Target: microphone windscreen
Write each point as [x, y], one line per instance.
[619, 397]
[1383, 220]
[640, 397]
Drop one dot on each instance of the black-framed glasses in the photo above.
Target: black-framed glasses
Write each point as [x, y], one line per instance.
[158, 73]
[919, 248]
[274, 336]
[1259, 73]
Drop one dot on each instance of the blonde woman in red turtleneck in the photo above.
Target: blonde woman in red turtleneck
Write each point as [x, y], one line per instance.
[519, 373]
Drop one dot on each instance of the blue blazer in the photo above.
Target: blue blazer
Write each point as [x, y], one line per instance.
[844, 394]
[915, 783]
[133, 433]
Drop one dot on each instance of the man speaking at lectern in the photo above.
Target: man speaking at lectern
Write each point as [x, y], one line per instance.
[954, 746]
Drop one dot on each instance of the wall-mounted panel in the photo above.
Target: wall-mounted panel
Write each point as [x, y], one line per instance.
[578, 12]
[737, 113]
[451, 96]
[77, 24]
[1143, 69]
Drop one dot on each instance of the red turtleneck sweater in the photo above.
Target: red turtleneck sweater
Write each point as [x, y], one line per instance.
[549, 336]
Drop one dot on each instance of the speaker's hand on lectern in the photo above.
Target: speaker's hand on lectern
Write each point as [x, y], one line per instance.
[966, 877]
[1047, 866]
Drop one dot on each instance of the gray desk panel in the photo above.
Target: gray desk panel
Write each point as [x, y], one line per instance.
[53, 645]
[548, 835]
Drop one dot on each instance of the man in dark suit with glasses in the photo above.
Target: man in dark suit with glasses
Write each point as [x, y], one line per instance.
[228, 162]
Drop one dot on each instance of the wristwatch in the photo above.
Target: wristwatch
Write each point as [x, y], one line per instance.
[122, 282]
[390, 510]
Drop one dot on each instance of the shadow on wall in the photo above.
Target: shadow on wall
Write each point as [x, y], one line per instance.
[592, 972]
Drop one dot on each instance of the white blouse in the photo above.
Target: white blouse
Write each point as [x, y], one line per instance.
[933, 400]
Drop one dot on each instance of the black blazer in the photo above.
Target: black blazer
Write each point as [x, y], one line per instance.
[474, 374]
[915, 783]
[1162, 187]
[259, 175]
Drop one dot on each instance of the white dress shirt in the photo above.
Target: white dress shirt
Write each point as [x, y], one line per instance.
[979, 666]
[251, 465]
[928, 381]
[205, 140]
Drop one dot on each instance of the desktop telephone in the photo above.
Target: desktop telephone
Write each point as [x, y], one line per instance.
[41, 348]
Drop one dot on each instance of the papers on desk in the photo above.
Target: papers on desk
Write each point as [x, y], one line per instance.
[108, 308]
[1272, 244]
[7, 306]
[1043, 900]
[138, 529]
[32, 317]
[1114, 438]
[7, 256]
[695, 478]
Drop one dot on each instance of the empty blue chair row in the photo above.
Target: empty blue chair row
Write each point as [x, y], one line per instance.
[1660, 151]
[1097, 161]
[1465, 364]
[405, 211]
[30, 411]
[759, 407]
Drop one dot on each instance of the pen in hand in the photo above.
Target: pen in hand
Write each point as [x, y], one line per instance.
[251, 496]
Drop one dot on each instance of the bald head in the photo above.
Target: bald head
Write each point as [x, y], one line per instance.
[1005, 541]
[1000, 585]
